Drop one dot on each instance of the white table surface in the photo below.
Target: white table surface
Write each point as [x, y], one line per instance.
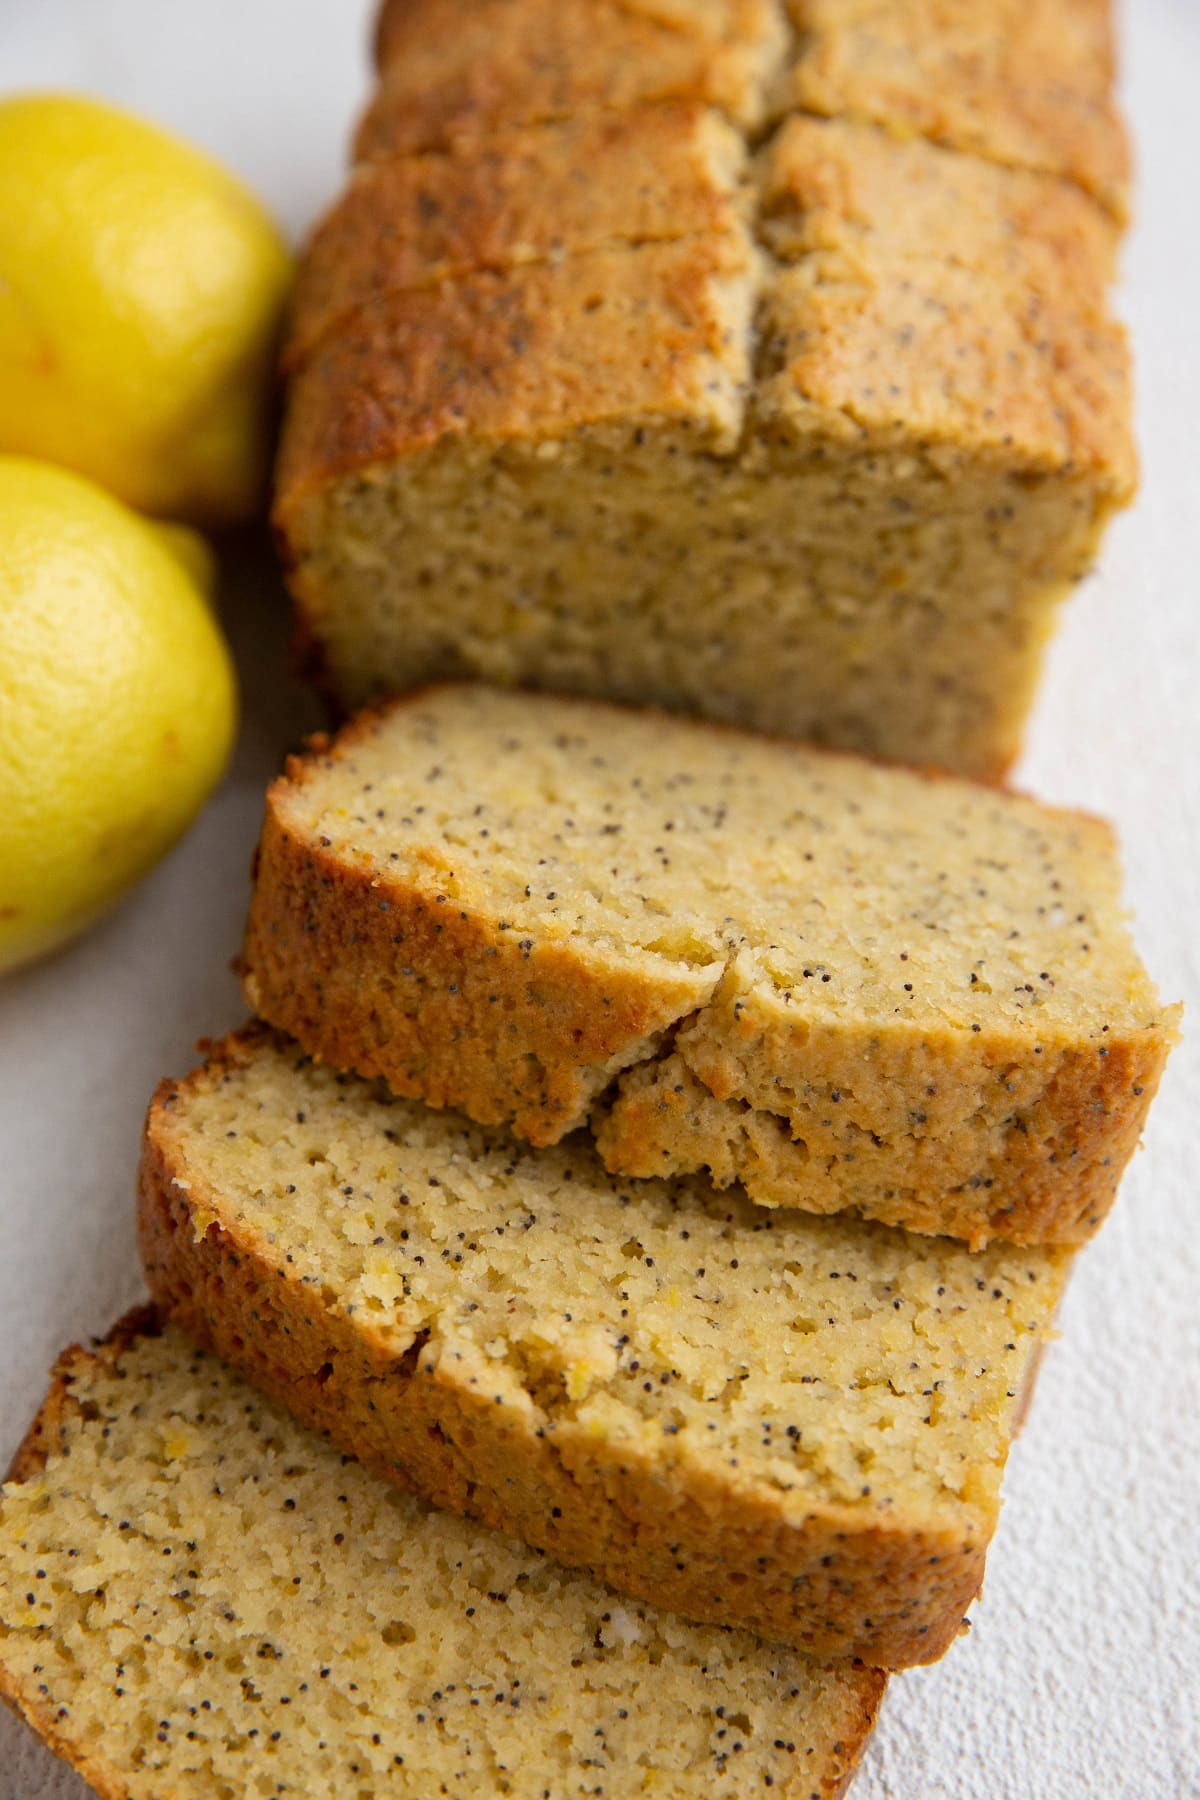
[1081, 1677]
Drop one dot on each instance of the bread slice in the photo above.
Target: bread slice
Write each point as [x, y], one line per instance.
[200, 1601]
[1024, 82]
[796, 1425]
[512, 473]
[842, 984]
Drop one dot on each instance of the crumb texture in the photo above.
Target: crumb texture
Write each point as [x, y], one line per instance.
[200, 1600]
[748, 359]
[797, 1423]
[841, 983]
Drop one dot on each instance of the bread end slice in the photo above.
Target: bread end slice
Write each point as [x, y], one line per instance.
[200, 1600]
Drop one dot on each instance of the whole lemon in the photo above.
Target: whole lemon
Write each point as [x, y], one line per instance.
[141, 287]
[117, 701]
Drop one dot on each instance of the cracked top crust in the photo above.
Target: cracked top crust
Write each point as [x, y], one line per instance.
[1023, 82]
[822, 452]
[452, 71]
[926, 296]
[1027, 83]
[533, 194]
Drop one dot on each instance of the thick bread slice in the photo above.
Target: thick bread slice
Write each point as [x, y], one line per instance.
[876, 204]
[798, 1425]
[928, 297]
[1024, 82]
[928, 434]
[923, 991]
[453, 71]
[536, 194]
[200, 1601]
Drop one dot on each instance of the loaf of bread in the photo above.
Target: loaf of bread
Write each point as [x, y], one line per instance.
[844, 985]
[200, 1601]
[792, 1424]
[598, 384]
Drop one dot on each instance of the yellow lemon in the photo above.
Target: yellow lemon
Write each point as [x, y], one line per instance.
[117, 702]
[141, 288]
[189, 548]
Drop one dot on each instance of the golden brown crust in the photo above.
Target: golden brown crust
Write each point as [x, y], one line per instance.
[655, 174]
[1024, 82]
[39, 1443]
[981, 330]
[833, 1585]
[1044, 406]
[943, 299]
[834, 184]
[872, 1684]
[31, 1453]
[607, 340]
[451, 71]
[986, 350]
[400, 24]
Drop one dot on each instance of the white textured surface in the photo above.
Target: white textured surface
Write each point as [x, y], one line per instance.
[1081, 1678]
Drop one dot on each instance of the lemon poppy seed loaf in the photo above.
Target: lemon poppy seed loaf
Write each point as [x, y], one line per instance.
[843, 984]
[613, 374]
[200, 1601]
[792, 1424]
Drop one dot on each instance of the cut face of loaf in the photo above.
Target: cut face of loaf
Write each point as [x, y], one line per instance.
[797, 1425]
[526, 196]
[809, 434]
[200, 1600]
[841, 984]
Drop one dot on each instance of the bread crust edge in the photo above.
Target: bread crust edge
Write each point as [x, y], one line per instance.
[28, 1461]
[106, 1781]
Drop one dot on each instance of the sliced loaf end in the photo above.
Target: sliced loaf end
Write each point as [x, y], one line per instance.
[198, 1598]
[796, 1424]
